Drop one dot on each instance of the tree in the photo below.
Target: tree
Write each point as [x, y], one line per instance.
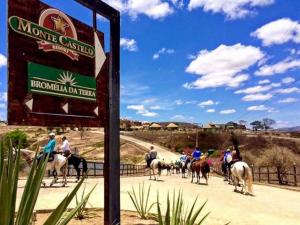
[256, 125]
[242, 122]
[268, 123]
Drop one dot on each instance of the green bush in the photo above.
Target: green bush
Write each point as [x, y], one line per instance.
[17, 138]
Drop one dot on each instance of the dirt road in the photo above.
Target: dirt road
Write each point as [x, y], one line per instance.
[162, 153]
[270, 206]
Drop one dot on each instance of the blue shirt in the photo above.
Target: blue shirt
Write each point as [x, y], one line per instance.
[226, 155]
[183, 158]
[197, 154]
[49, 148]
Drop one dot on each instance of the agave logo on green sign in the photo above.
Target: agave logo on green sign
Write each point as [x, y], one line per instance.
[52, 81]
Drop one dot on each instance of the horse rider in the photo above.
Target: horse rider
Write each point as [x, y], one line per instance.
[236, 156]
[196, 155]
[48, 149]
[225, 165]
[183, 158]
[152, 156]
[65, 147]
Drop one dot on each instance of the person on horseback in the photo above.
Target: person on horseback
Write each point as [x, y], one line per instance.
[183, 157]
[227, 158]
[196, 155]
[49, 148]
[152, 155]
[65, 147]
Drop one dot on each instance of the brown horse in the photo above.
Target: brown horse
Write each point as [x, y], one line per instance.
[200, 166]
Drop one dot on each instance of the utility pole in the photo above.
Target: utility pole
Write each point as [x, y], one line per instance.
[197, 136]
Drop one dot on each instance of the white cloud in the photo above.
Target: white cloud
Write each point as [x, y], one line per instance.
[163, 51]
[266, 81]
[3, 60]
[278, 32]
[155, 9]
[141, 109]
[257, 97]
[233, 9]
[178, 3]
[288, 90]
[155, 107]
[280, 67]
[223, 66]
[128, 44]
[288, 100]
[179, 102]
[117, 4]
[178, 117]
[3, 96]
[2, 106]
[288, 80]
[210, 110]
[253, 90]
[133, 89]
[227, 111]
[149, 100]
[207, 103]
[257, 108]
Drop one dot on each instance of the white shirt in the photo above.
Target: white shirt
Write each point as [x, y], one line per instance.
[65, 146]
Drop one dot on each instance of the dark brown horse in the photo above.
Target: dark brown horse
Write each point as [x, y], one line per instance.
[200, 166]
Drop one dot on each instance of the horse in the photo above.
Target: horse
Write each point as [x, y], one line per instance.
[59, 164]
[155, 165]
[241, 172]
[75, 160]
[200, 166]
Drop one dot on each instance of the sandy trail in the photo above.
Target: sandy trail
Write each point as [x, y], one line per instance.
[270, 205]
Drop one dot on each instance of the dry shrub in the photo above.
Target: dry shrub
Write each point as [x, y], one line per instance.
[278, 157]
[254, 144]
[287, 143]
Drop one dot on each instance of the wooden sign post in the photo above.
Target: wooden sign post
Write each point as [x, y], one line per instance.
[59, 75]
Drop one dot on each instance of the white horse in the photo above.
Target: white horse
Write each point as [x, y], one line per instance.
[241, 172]
[156, 165]
[59, 164]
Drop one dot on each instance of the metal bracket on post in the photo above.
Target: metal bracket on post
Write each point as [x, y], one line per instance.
[112, 133]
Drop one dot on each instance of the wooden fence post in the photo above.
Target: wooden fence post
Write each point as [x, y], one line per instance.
[295, 174]
[252, 170]
[258, 174]
[268, 173]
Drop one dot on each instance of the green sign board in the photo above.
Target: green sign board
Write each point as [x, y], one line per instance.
[52, 81]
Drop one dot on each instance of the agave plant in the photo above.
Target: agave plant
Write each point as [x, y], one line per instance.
[9, 173]
[80, 212]
[175, 213]
[140, 201]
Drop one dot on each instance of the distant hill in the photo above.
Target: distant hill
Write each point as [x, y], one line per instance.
[290, 129]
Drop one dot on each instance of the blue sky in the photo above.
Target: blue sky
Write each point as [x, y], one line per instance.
[201, 60]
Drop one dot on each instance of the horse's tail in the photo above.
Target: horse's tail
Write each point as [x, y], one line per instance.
[84, 165]
[206, 168]
[247, 175]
